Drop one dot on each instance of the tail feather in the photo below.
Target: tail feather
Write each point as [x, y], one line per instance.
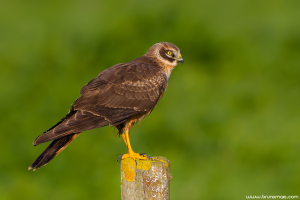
[52, 150]
[64, 132]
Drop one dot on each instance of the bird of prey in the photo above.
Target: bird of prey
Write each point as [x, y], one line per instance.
[119, 96]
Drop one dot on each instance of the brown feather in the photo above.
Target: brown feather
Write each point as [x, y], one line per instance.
[51, 151]
[78, 122]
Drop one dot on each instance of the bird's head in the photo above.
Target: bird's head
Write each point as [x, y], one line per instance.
[166, 53]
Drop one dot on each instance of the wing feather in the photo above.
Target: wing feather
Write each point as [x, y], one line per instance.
[132, 87]
[75, 122]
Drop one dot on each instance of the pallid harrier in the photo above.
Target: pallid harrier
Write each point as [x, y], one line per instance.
[118, 96]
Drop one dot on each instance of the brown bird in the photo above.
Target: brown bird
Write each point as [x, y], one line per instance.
[119, 96]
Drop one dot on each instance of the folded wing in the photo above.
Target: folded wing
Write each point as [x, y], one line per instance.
[116, 94]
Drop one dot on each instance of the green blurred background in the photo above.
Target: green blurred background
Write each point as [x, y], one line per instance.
[229, 121]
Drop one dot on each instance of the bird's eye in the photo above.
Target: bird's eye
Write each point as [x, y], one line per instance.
[170, 53]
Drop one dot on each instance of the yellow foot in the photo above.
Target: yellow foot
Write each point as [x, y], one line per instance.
[134, 156]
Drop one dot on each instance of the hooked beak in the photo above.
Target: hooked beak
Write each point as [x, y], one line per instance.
[180, 59]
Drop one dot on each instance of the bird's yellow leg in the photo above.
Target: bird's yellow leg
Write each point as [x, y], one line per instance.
[124, 138]
[131, 153]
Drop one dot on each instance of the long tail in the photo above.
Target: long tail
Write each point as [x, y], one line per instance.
[52, 150]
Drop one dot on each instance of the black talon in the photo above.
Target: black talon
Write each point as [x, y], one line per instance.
[143, 154]
[120, 158]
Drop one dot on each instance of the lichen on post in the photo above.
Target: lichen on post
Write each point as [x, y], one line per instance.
[145, 179]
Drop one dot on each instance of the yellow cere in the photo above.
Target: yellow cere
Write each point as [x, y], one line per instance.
[180, 56]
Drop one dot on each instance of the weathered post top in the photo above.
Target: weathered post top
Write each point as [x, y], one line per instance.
[145, 179]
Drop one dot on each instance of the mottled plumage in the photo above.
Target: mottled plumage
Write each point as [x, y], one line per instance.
[118, 96]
